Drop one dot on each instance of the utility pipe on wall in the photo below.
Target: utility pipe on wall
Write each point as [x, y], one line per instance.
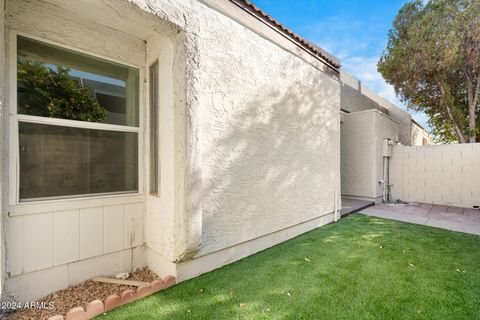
[335, 209]
[387, 153]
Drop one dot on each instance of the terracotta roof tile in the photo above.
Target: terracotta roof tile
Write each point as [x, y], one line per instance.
[312, 48]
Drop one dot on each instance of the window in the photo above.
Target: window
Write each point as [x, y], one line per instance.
[153, 89]
[78, 123]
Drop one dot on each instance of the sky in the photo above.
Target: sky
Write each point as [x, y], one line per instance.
[355, 31]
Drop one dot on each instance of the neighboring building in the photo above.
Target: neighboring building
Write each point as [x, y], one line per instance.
[420, 136]
[214, 133]
[219, 137]
[367, 120]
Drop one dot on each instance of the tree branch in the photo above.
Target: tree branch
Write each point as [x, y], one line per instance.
[471, 110]
[456, 128]
[476, 94]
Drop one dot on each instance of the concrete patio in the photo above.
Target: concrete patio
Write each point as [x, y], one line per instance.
[445, 217]
[350, 206]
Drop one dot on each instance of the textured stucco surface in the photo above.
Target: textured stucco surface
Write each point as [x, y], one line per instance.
[3, 146]
[385, 128]
[356, 97]
[357, 154]
[60, 243]
[249, 143]
[437, 174]
[419, 135]
[362, 135]
[269, 137]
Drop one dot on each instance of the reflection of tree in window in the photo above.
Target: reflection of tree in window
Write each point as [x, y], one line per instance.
[55, 94]
[66, 159]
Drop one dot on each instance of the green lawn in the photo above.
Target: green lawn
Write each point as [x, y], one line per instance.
[358, 268]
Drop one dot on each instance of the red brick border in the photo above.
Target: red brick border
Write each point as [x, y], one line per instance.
[97, 307]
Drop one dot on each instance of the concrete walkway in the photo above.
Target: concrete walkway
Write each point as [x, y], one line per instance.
[353, 205]
[450, 218]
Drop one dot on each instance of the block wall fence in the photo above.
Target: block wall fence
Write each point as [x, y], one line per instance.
[437, 174]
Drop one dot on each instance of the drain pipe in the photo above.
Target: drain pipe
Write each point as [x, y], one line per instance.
[335, 208]
[387, 153]
[385, 179]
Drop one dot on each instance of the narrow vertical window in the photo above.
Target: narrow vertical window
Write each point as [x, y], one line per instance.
[153, 114]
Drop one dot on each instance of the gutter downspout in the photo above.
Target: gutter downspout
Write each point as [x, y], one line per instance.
[335, 209]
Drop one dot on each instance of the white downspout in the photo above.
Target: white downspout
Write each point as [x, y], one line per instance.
[335, 206]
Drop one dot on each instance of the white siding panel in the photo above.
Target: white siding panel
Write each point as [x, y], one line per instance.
[91, 232]
[114, 226]
[15, 240]
[133, 225]
[66, 233]
[38, 242]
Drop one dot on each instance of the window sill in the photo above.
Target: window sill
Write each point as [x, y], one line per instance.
[35, 207]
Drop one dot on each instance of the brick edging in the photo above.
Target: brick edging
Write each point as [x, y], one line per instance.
[97, 307]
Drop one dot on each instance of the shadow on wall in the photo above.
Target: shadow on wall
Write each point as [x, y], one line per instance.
[270, 160]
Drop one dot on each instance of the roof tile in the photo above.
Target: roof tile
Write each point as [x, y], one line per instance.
[314, 49]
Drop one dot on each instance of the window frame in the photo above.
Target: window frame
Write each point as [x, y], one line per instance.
[154, 119]
[15, 118]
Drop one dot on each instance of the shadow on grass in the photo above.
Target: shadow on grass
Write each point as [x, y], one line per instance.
[354, 269]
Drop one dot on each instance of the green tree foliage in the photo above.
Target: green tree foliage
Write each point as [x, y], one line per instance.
[433, 61]
[48, 93]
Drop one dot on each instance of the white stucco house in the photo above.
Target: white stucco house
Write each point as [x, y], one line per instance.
[207, 132]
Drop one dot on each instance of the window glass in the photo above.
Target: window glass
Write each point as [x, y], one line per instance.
[58, 83]
[57, 161]
[153, 77]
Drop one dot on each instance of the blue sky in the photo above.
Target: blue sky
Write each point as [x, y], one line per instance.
[355, 31]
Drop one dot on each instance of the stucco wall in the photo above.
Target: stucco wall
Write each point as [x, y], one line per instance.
[3, 134]
[269, 136]
[63, 242]
[357, 154]
[249, 146]
[437, 174]
[356, 97]
[419, 135]
[362, 135]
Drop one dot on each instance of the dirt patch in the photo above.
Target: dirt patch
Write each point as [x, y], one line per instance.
[79, 296]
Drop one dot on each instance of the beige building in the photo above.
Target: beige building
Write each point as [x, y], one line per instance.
[205, 132]
[370, 127]
[212, 133]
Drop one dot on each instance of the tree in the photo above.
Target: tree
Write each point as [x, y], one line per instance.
[48, 93]
[433, 62]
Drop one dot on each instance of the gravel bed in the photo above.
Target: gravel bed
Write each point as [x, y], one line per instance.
[79, 296]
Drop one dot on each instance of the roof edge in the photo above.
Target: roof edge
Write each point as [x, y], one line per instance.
[313, 49]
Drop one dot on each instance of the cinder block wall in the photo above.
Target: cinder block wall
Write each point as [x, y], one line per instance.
[437, 174]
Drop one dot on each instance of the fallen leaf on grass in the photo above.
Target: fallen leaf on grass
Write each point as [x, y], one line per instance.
[242, 305]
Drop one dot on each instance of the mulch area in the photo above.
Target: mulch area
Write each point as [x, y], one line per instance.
[79, 296]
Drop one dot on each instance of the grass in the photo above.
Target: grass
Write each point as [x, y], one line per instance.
[358, 268]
